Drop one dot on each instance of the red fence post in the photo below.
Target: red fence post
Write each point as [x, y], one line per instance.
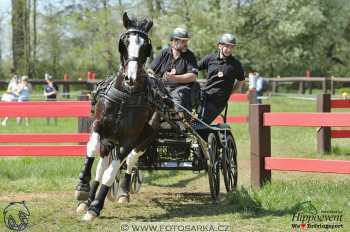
[324, 133]
[260, 145]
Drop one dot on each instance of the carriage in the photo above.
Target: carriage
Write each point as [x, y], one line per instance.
[179, 148]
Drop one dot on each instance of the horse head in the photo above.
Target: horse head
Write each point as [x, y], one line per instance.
[134, 45]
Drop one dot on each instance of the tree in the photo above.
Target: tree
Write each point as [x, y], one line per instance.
[34, 49]
[19, 24]
[278, 37]
[1, 36]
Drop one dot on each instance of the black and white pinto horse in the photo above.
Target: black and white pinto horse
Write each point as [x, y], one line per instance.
[123, 120]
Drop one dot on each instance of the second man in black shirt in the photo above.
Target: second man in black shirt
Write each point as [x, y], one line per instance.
[224, 74]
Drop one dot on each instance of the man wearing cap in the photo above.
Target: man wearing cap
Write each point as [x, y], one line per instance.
[178, 66]
[224, 74]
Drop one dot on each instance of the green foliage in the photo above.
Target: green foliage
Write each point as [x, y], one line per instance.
[278, 37]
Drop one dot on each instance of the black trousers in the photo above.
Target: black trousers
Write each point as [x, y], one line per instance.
[181, 95]
[210, 110]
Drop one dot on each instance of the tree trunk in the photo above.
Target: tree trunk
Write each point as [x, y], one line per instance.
[108, 36]
[18, 36]
[27, 40]
[34, 38]
[1, 73]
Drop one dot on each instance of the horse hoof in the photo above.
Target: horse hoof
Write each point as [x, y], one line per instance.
[123, 199]
[82, 208]
[89, 216]
[81, 195]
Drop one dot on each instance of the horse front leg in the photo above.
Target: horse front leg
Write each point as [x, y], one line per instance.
[92, 149]
[105, 149]
[107, 180]
[146, 138]
[124, 186]
[102, 165]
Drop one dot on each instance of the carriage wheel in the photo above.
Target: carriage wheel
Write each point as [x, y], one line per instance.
[214, 167]
[136, 180]
[229, 165]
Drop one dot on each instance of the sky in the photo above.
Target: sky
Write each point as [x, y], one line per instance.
[5, 29]
[5, 5]
[5, 12]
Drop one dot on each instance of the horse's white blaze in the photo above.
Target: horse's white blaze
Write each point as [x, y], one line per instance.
[111, 172]
[101, 167]
[135, 43]
[93, 146]
[132, 159]
[132, 70]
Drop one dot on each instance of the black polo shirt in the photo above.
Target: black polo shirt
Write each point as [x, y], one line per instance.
[222, 74]
[165, 62]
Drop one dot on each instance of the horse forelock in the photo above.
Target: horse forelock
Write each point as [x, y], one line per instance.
[139, 24]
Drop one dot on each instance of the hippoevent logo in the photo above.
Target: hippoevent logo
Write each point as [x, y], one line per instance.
[306, 216]
[16, 216]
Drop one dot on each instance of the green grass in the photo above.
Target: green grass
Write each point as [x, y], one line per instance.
[47, 184]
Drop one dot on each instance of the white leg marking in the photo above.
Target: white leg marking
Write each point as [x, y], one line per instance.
[132, 160]
[111, 172]
[101, 168]
[93, 146]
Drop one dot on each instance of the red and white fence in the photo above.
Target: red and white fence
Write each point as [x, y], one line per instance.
[80, 109]
[325, 134]
[44, 109]
[262, 163]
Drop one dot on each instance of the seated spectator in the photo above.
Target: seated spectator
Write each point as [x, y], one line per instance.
[24, 89]
[10, 94]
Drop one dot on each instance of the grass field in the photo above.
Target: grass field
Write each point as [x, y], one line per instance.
[47, 184]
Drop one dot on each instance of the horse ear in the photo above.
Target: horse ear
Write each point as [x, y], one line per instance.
[148, 25]
[126, 20]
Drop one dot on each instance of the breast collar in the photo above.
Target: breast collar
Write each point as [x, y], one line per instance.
[129, 96]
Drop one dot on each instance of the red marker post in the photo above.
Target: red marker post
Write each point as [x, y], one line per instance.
[66, 86]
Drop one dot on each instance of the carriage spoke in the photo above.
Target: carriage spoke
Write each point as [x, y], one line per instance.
[230, 165]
